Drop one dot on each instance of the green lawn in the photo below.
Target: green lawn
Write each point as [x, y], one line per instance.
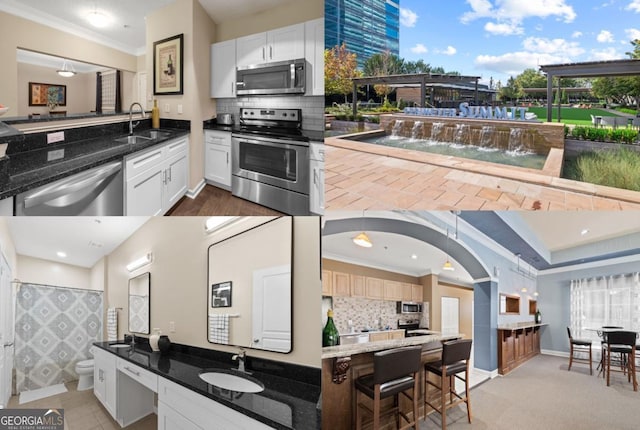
[571, 115]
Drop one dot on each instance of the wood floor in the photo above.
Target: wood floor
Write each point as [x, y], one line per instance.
[215, 201]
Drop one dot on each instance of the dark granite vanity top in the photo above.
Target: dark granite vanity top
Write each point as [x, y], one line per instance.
[293, 390]
[25, 168]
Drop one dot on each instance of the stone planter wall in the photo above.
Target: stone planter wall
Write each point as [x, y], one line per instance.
[573, 147]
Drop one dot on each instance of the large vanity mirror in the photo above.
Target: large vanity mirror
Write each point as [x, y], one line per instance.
[139, 303]
[250, 288]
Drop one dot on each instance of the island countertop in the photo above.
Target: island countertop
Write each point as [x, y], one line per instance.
[520, 325]
[362, 348]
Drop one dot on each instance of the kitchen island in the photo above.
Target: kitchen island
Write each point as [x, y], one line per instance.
[517, 343]
[343, 364]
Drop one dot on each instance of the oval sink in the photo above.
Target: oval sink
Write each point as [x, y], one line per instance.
[232, 381]
[119, 345]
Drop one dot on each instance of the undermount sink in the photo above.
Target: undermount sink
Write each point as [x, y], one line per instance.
[133, 139]
[154, 134]
[119, 345]
[232, 380]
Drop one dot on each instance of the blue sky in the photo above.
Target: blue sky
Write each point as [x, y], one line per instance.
[499, 38]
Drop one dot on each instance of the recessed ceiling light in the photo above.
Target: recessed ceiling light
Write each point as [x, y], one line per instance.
[98, 19]
[414, 256]
[61, 254]
[584, 231]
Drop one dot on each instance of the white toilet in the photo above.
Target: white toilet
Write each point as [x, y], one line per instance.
[84, 369]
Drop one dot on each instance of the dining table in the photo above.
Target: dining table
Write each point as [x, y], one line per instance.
[602, 332]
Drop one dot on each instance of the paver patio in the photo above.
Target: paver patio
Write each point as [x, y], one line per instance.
[357, 178]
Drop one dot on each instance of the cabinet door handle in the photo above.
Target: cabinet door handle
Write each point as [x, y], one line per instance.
[263, 57]
[315, 175]
[132, 371]
[164, 177]
[227, 158]
[169, 180]
[232, 87]
[270, 52]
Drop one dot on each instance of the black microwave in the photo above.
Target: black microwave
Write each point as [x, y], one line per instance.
[284, 77]
[408, 307]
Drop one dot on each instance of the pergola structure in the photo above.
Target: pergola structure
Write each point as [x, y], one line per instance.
[421, 79]
[591, 69]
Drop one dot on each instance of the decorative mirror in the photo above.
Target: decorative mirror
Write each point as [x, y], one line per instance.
[139, 305]
[249, 287]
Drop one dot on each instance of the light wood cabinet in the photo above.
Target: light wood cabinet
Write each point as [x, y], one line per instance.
[341, 284]
[406, 292]
[396, 334]
[386, 335]
[375, 288]
[417, 293]
[327, 283]
[358, 286]
[392, 290]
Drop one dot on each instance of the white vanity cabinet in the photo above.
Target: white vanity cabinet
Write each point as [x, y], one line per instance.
[316, 166]
[6, 207]
[223, 69]
[104, 379]
[217, 157]
[286, 43]
[314, 53]
[156, 178]
[182, 409]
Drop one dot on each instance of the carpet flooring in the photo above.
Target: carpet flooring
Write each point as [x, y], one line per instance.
[542, 394]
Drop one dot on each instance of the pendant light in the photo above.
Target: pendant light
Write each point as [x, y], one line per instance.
[447, 264]
[67, 70]
[362, 239]
[524, 288]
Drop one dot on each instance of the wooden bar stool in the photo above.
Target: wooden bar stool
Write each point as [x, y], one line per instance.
[394, 372]
[623, 343]
[578, 346]
[455, 359]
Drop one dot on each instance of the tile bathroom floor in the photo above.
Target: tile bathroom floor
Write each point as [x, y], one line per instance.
[83, 411]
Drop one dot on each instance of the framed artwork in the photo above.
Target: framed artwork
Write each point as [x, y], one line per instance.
[47, 94]
[221, 295]
[167, 66]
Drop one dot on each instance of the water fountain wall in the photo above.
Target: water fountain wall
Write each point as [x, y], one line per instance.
[507, 135]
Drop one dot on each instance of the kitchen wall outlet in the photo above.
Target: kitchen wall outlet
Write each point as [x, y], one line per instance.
[55, 137]
[172, 326]
[167, 108]
[180, 109]
[56, 154]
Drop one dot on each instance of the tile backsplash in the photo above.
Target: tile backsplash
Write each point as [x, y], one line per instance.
[364, 313]
[312, 107]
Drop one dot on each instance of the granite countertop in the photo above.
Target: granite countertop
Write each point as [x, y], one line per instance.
[519, 325]
[361, 348]
[358, 333]
[183, 368]
[26, 170]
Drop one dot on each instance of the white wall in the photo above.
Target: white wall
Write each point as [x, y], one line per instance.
[37, 271]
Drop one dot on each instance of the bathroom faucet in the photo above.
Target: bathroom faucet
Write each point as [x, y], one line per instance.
[240, 356]
[131, 124]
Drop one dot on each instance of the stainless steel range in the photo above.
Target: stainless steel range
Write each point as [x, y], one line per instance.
[270, 160]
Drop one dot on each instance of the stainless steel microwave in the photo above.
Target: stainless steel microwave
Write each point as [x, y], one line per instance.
[283, 77]
[408, 307]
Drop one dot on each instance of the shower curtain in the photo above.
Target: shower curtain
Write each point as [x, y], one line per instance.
[55, 327]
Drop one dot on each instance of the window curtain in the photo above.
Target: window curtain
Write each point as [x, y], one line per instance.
[603, 301]
[98, 92]
[55, 327]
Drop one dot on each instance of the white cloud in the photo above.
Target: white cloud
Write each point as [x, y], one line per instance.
[503, 29]
[576, 34]
[513, 63]
[634, 6]
[419, 49]
[541, 45]
[632, 33]
[408, 18]
[605, 54]
[605, 37]
[449, 51]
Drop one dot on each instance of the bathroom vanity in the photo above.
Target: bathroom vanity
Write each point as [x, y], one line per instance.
[126, 378]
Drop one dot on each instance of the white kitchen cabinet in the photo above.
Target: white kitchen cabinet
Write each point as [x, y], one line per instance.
[286, 43]
[104, 380]
[156, 178]
[314, 53]
[218, 158]
[6, 207]
[316, 165]
[223, 69]
[202, 413]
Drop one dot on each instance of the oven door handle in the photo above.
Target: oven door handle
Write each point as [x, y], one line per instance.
[270, 142]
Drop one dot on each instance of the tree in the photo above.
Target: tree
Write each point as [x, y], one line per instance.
[340, 66]
[419, 66]
[635, 54]
[512, 90]
[383, 64]
[532, 78]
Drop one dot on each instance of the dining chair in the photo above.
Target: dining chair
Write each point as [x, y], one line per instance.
[623, 343]
[603, 343]
[455, 359]
[394, 372]
[579, 346]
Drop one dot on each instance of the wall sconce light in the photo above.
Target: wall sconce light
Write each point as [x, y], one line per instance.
[217, 222]
[140, 262]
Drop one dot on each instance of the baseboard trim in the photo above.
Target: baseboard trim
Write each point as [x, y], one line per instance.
[192, 194]
[554, 353]
[489, 373]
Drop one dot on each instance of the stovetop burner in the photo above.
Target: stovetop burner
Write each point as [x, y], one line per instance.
[276, 123]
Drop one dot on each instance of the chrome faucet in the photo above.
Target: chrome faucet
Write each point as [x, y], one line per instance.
[131, 124]
[240, 356]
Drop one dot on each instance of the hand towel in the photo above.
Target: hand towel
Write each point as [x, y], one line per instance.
[219, 328]
[112, 324]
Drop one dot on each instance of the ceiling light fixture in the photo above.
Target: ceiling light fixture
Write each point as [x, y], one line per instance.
[140, 262]
[217, 222]
[61, 254]
[67, 70]
[362, 239]
[447, 264]
[584, 231]
[414, 256]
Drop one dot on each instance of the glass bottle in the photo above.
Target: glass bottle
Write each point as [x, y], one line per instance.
[538, 317]
[330, 336]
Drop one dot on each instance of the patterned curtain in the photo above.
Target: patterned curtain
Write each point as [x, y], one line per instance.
[55, 328]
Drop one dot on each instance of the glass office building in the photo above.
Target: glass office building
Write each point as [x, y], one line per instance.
[366, 26]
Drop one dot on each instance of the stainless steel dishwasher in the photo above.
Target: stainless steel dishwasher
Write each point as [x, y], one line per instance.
[98, 191]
